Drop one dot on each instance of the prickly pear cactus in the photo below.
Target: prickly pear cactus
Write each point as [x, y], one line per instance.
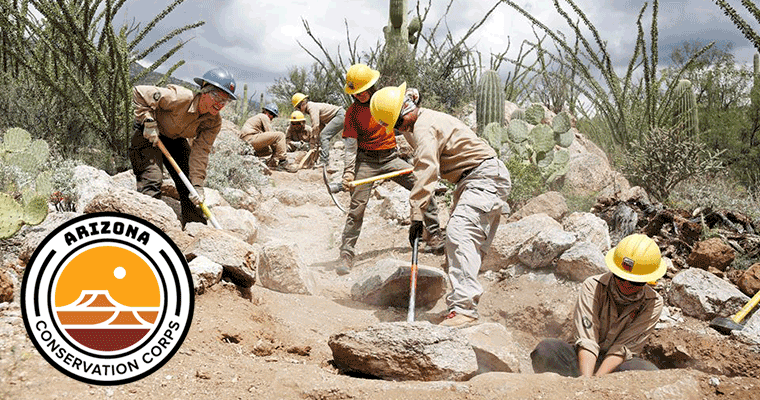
[490, 100]
[518, 131]
[495, 135]
[518, 114]
[541, 138]
[27, 158]
[534, 114]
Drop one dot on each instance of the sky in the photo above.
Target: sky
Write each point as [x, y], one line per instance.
[258, 41]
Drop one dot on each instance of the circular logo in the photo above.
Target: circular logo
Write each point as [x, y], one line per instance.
[107, 298]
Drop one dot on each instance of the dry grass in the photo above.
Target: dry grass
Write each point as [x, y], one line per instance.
[718, 191]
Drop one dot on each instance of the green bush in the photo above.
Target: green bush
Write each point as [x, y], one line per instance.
[233, 165]
[526, 182]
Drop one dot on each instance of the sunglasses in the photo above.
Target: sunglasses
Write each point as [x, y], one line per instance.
[219, 98]
[637, 284]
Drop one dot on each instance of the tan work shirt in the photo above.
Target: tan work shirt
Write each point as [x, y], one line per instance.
[600, 329]
[175, 110]
[442, 144]
[320, 114]
[298, 135]
[257, 124]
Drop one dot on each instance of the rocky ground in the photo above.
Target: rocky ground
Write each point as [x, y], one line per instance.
[263, 344]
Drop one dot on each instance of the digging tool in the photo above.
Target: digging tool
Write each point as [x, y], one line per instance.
[378, 177]
[413, 281]
[188, 185]
[306, 158]
[327, 184]
[726, 325]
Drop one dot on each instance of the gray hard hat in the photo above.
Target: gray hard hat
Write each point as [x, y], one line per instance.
[272, 108]
[220, 78]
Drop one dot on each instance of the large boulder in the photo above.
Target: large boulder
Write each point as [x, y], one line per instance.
[541, 250]
[241, 223]
[511, 237]
[205, 273]
[283, 270]
[552, 204]
[590, 228]
[35, 234]
[587, 174]
[88, 183]
[239, 259]
[496, 349]
[749, 282]
[713, 253]
[402, 351]
[581, 261]
[386, 284]
[703, 295]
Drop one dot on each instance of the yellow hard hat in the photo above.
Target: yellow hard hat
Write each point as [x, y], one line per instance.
[385, 105]
[359, 78]
[297, 98]
[636, 258]
[297, 116]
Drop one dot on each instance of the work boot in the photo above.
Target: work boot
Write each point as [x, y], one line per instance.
[346, 263]
[285, 165]
[436, 244]
[456, 320]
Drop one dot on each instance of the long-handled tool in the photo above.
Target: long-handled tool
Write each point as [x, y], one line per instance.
[306, 158]
[413, 281]
[188, 185]
[381, 176]
[726, 325]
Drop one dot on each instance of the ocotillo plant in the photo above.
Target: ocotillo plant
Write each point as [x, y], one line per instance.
[685, 110]
[490, 100]
[26, 158]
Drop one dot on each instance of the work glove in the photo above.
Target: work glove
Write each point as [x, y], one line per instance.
[415, 231]
[347, 179]
[150, 131]
[197, 200]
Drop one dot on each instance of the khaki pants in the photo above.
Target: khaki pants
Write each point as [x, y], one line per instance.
[478, 200]
[266, 143]
[147, 163]
[333, 127]
[368, 164]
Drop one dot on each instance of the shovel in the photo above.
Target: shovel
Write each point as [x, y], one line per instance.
[188, 185]
[413, 281]
[726, 325]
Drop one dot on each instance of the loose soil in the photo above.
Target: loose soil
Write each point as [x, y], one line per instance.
[263, 344]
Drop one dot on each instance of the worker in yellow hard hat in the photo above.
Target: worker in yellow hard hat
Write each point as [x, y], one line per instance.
[615, 314]
[298, 135]
[371, 151]
[326, 122]
[445, 146]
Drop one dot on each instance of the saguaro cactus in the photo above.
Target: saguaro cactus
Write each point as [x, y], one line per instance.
[400, 30]
[686, 108]
[490, 100]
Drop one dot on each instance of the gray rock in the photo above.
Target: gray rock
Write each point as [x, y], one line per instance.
[403, 351]
[239, 259]
[240, 199]
[542, 249]
[35, 234]
[88, 183]
[495, 348]
[512, 236]
[552, 204]
[205, 273]
[239, 222]
[386, 284]
[587, 174]
[703, 295]
[125, 180]
[394, 203]
[581, 261]
[282, 269]
[588, 227]
[750, 334]
[126, 201]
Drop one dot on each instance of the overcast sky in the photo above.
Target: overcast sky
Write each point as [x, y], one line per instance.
[256, 40]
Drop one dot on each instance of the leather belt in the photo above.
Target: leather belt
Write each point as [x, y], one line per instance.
[469, 171]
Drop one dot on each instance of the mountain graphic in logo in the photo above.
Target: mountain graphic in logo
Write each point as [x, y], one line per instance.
[97, 321]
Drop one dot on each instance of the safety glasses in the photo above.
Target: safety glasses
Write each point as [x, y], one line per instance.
[219, 98]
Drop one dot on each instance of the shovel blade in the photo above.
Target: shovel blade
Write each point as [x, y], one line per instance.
[725, 325]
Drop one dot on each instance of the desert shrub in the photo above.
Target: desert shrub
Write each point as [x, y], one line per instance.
[233, 165]
[526, 182]
[718, 190]
[665, 158]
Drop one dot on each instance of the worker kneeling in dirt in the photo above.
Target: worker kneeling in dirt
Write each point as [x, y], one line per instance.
[371, 151]
[173, 115]
[326, 122]
[258, 132]
[615, 314]
[445, 145]
[298, 136]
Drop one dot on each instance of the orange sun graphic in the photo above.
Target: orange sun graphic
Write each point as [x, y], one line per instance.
[127, 277]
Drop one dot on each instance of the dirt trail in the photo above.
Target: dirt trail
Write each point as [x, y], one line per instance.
[268, 345]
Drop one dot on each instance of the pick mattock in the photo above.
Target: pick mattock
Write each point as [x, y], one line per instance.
[726, 325]
[188, 185]
[381, 176]
[413, 281]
